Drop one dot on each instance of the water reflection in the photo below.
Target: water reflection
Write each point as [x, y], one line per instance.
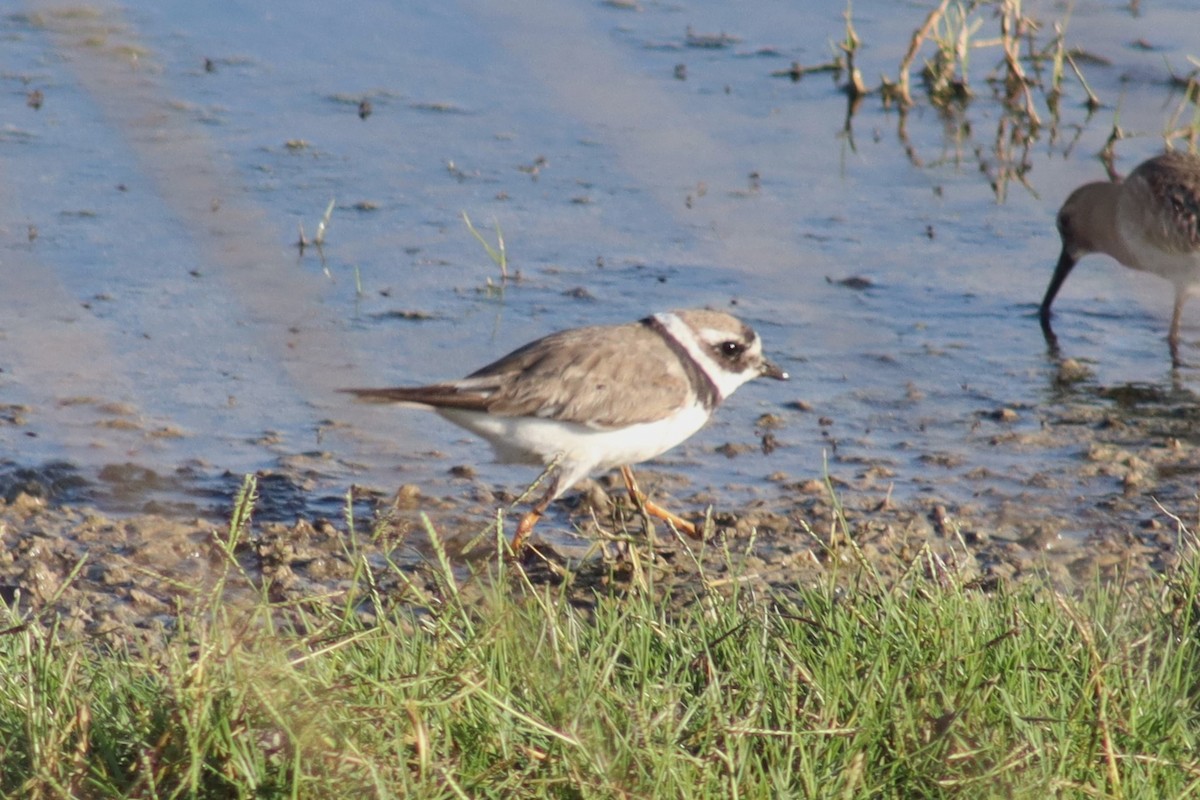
[1030, 76]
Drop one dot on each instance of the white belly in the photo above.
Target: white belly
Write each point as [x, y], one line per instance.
[580, 449]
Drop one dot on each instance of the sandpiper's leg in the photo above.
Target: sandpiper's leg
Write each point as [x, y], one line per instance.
[525, 526]
[653, 510]
[1173, 336]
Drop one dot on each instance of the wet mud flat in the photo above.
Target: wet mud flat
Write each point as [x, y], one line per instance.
[126, 576]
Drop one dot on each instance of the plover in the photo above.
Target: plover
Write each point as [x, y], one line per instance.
[591, 399]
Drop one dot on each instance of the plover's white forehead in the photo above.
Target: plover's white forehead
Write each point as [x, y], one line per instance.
[715, 328]
[715, 324]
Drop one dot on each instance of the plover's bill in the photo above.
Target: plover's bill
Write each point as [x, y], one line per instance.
[1149, 222]
[600, 397]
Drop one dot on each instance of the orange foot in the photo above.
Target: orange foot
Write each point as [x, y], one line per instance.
[654, 510]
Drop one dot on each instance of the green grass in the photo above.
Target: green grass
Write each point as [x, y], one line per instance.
[493, 686]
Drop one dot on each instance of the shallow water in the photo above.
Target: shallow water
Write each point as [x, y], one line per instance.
[160, 333]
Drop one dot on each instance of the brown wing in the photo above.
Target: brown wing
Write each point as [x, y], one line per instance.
[600, 376]
[438, 395]
[1166, 193]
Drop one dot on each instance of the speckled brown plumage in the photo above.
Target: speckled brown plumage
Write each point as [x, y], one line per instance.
[1148, 222]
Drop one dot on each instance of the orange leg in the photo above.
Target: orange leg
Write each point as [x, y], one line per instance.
[653, 510]
[524, 529]
[525, 526]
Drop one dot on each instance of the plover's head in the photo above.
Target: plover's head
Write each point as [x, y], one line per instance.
[725, 348]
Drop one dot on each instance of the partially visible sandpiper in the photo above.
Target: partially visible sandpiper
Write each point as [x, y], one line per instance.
[1149, 222]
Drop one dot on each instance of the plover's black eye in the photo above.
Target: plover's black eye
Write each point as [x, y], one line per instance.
[731, 349]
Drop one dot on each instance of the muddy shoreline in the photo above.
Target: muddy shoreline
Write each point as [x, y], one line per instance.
[128, 575]
[163, 333]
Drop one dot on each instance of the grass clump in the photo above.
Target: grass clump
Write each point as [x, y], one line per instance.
[497, 253]
[494, 686]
